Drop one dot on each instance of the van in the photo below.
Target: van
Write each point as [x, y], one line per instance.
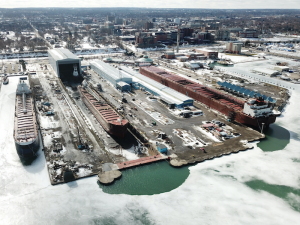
[199, 112]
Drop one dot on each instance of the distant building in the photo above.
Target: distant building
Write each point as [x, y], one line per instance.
[177, 20]
[148, 25]
[118, 21]
[192, 65]
[203, 37]
[234, 47]
[186, 31]
[170, 55]
[235, 30]
[110, 18]
[145, 40]
[248, 33]
[127, 38]
[88, 27]
[87, 21]
[208, 53]
[222, 35]
[182, 58]
[109, 25]
[161, 36]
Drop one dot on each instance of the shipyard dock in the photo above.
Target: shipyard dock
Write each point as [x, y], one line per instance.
[151, 123]
[76, 145]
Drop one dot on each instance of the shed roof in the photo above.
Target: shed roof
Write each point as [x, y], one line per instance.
[265, 71]
[168, 94]
[62, 54]
[145, 59]
[111, 71]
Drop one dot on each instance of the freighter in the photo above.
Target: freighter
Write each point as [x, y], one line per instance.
[256, 113]
[25, 126]
[104, 113]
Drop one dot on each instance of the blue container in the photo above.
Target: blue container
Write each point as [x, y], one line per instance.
[162, 148]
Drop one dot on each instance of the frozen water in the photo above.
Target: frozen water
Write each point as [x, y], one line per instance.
[214, 193]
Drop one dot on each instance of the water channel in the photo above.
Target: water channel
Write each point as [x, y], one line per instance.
[161, 177]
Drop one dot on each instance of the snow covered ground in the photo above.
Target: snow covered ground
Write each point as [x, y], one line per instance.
[239, 58]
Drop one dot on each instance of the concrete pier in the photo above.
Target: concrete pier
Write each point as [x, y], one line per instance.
[108, 177]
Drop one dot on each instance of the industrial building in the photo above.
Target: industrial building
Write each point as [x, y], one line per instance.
[192, 65]
[234, 47]
[65, 64]
[248, 33]
[282, 68]
[210, 54]
[267, 72]
[222, 35]
[170, 55]
[167, 95]
[111, 74]
[122, 86]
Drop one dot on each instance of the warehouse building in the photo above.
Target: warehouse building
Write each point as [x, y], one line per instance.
[110, 73]
[167, 95]
[210, 54]
[122, 86]
[65, 64]
[282, 68]
[267, 72]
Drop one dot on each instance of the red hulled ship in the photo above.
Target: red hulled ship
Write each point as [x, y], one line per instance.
[25, 127]
[255, 112]
[109, 119]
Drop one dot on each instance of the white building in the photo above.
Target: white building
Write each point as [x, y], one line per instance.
[109, 73]
[256, 108]
[177, 20]
[282, 68]
[234, 47]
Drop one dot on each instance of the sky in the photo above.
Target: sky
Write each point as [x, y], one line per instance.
[220, 4]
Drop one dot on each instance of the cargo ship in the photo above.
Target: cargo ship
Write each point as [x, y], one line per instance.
[109, 119]
[25, 125]
[256, 113]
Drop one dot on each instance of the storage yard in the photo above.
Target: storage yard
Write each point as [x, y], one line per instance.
[120, 117]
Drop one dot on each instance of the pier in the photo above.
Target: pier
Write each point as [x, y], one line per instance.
[141, 161]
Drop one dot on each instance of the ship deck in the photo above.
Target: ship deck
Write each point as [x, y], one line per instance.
[25, 123]
[105, 110]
